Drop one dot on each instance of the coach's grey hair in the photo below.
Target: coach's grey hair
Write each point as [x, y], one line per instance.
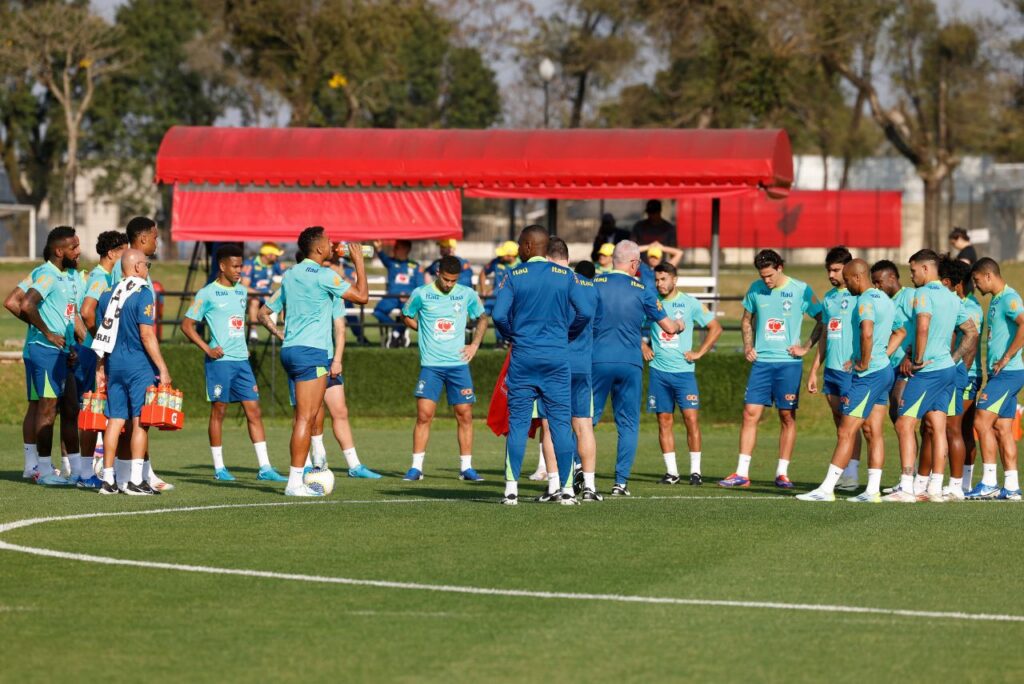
[625, 252]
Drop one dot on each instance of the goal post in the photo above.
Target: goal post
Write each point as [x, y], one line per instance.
[18, 231]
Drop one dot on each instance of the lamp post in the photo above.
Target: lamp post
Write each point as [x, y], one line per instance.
[546, 69]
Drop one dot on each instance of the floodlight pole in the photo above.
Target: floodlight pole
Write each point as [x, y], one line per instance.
[716, 210]
[546, 68]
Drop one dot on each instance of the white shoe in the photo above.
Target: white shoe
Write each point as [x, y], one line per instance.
[953, 495]
[159, 485]
[817, 495]
[847, 484]
[866, 498]
[899, 496]
[933, 497]
[539, 475]
[890, 490]
[30, 474]
[303, 490]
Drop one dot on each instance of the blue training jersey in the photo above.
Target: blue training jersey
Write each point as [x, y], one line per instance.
[973, 309]
[670, 350]
[624, 303]
[836, 310]
[778, 317]
[540, 309]
[875, 306]
[59, 292]
[442, 322]
[139, 309]
[306, 291]
[581, 348]
[903, 300]
[947, 312]
[403, 276]
[1003, 311]
[261, 275]
[223, 309]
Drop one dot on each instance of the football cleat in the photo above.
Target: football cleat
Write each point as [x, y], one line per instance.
[578, 480]
[847, 484]
[539, 475]
[899, 496]
[223, 474]
[509, 500]
[890, 490]
[735, 480]
[669, 479]
[413, 475]
[696, 480]
[983, 492]
[132, 489]
[874, 497]
[108, 488]
[951, 494]
[91, 483]
[1009, 494]
[148, 488]
[817, 495]
[54, 480]
[547, 496]
[305, 490]
[470, 475]
[782, 482]
[268, 474]
[30, 474]
[620, 490]
[591, 495]
[159, 485]
[566, 499]
[361, 472]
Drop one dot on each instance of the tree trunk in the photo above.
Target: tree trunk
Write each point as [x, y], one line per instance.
[578, 100]
[70, 176]
[932, 214]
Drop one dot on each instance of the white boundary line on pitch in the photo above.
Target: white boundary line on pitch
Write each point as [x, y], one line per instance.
[446, 588]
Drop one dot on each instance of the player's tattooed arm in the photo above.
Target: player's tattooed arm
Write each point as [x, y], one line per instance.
[747, 330]
[264, 319]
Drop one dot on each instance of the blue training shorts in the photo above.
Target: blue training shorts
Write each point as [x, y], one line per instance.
[970, 392]
[666, 390]
[49, 368]
[30, 387]
[126, 391]
[1000, 393]
[305, 363]
[866, 392]
[581, 396]
[927, 392]
[335, 381]
[837, 382]
[85, 371]
[230, 381]
[456, 380]
[774, 383]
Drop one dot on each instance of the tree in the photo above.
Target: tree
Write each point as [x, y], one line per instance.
[67, 50]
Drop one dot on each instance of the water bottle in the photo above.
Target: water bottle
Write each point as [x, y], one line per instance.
[342, 250]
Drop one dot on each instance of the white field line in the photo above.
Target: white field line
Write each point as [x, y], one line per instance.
[451, 589]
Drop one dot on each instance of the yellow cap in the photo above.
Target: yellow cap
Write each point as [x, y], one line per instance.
[607, 249]
[507, 248]
[655, 252]
[270, 248]
[447, 242]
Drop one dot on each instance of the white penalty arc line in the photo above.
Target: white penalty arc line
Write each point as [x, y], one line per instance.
[446, 588]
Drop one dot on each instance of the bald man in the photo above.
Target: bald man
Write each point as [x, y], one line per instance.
[878, 330]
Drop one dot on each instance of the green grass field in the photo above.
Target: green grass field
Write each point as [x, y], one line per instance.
[64, 619]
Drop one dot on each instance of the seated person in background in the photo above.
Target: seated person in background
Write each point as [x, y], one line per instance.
[258, 276]
[491, 275]
[447, 248]
[652, 255]
[404, 276]
[654, 228]
[604, 258]
[607, 233]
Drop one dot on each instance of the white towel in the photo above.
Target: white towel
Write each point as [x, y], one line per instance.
[106, 333]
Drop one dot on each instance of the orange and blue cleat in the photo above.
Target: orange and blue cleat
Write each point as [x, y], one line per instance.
[782, 482]
[735, 480]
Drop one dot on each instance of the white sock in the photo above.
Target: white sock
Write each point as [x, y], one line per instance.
[957, 484]
[907, 484]
[552, 483]
[542, 466]
[294, 477]
[46, 467]
[147, 472]
[65, 464]
[465, 462]
[351, 458]
[568, 490]
[782, 468]
[317, 450]
[852, 470]
[988, 473]
[417, 461]
[136, 470]
[670, 463]
[308, 463]
[935, 484]
[1010, 480]
[31, 456]
[874, 481]
[261, 454]
[588, 481]
[76, 465]
[695, 462]
[218, 457]
[108, 476]
[968, 476]
[743, 465]
[122, 472]
[920, 484]
[511, 487]
[831, 478]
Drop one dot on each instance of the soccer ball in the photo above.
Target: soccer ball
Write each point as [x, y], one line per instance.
[320, 477]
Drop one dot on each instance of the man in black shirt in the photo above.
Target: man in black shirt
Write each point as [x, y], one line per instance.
[608, 232]
[961, 242]
[654, 228]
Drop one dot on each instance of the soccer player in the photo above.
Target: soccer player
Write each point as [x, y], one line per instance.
[886, 277]
[50, 305]
[258, 276]
[404, 276]
[229, 376]
[306, 291]
[447, 248]
[875, 330]
[997, 402]
[506, 258]
[540, 309]
[624, 304]
[439, 312]
[932, 371]
[773, 310]
[110, 246]
[127, 346]
[671, 378]
[835, 350]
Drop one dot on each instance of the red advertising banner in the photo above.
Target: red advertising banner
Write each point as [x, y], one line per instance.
[806, 218]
